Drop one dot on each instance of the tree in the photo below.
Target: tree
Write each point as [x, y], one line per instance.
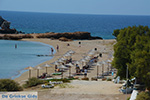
[116, 32]
[133, 49]
[143, 96]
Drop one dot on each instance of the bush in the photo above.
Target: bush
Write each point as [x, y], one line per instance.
[94, 79]
[9, 85]
[85, 78]
[128, 98]
[33, 82]
[143, 96]
[103, 79]
[109, 79]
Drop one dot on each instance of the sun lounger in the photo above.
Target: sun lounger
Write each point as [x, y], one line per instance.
[56, 82]
[59, 73]
[47, 86]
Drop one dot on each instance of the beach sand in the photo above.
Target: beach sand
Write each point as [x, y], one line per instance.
[104, 46]
[82, 90]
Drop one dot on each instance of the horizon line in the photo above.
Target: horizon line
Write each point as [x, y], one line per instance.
[74, 13]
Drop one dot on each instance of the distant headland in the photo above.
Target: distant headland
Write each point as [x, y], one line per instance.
[67, 36]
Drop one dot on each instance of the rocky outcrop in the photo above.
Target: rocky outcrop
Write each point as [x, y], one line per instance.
[68, 35]
[61, 36]
[8, 31]
[64, 39]
[15, 36]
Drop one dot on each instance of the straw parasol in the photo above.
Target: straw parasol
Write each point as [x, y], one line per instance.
[46, 65]
[102, 66]
[67, 55]
[71, 52]
[108, 61]
[87, 58]
[103, 63]
[62, 67]
[29, 68]
[38, 68]
[98, 64]
[55, 63]
[60, 61]
[63, 59]
[71, 65]
[83, 61]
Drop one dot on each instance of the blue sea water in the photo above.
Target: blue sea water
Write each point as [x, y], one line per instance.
[97, 25]
[13, 60]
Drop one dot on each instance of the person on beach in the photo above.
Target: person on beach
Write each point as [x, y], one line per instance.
[77, 68]
[15, 46]
[85, 72]
[57, 48]
[79, 44]
[52, 51]
[55, 68]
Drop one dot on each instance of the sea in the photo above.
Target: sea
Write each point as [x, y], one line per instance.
[13, 61]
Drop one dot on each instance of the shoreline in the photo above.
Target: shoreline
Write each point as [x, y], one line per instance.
[20, 72]
[63, 49]
[20, 68]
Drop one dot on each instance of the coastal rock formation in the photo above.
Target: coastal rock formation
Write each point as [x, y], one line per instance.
[15, 36]
[68, 35]
[64, 39]
[5, 27]
[61, 36]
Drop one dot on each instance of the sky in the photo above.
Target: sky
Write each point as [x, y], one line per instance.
[107, 7]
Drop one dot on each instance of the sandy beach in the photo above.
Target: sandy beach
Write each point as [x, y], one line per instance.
[104, 46]
[82, 90]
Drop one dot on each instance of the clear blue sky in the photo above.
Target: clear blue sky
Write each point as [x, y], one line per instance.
[115, 7]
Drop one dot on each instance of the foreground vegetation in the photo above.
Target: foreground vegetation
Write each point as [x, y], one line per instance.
[133, 50]
[33, 82]
[9, 85]
[143, 96]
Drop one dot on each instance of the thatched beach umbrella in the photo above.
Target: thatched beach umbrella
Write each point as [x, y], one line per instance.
[84, 61]
[103, 63]
[29, 68]
[60, 61]
[108, 62]
[71, 65]
[67, 55]
[63, 59]
[38, 68]
[98, 64]
[46, 65]
[71, 52]
[55, 63]
[62, 67]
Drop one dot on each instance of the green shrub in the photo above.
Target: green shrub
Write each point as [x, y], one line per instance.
[9, 85]
[94, 79]
[33, 82]
[85, 78]
[103, 79]
[143, 96]
[109, 79]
